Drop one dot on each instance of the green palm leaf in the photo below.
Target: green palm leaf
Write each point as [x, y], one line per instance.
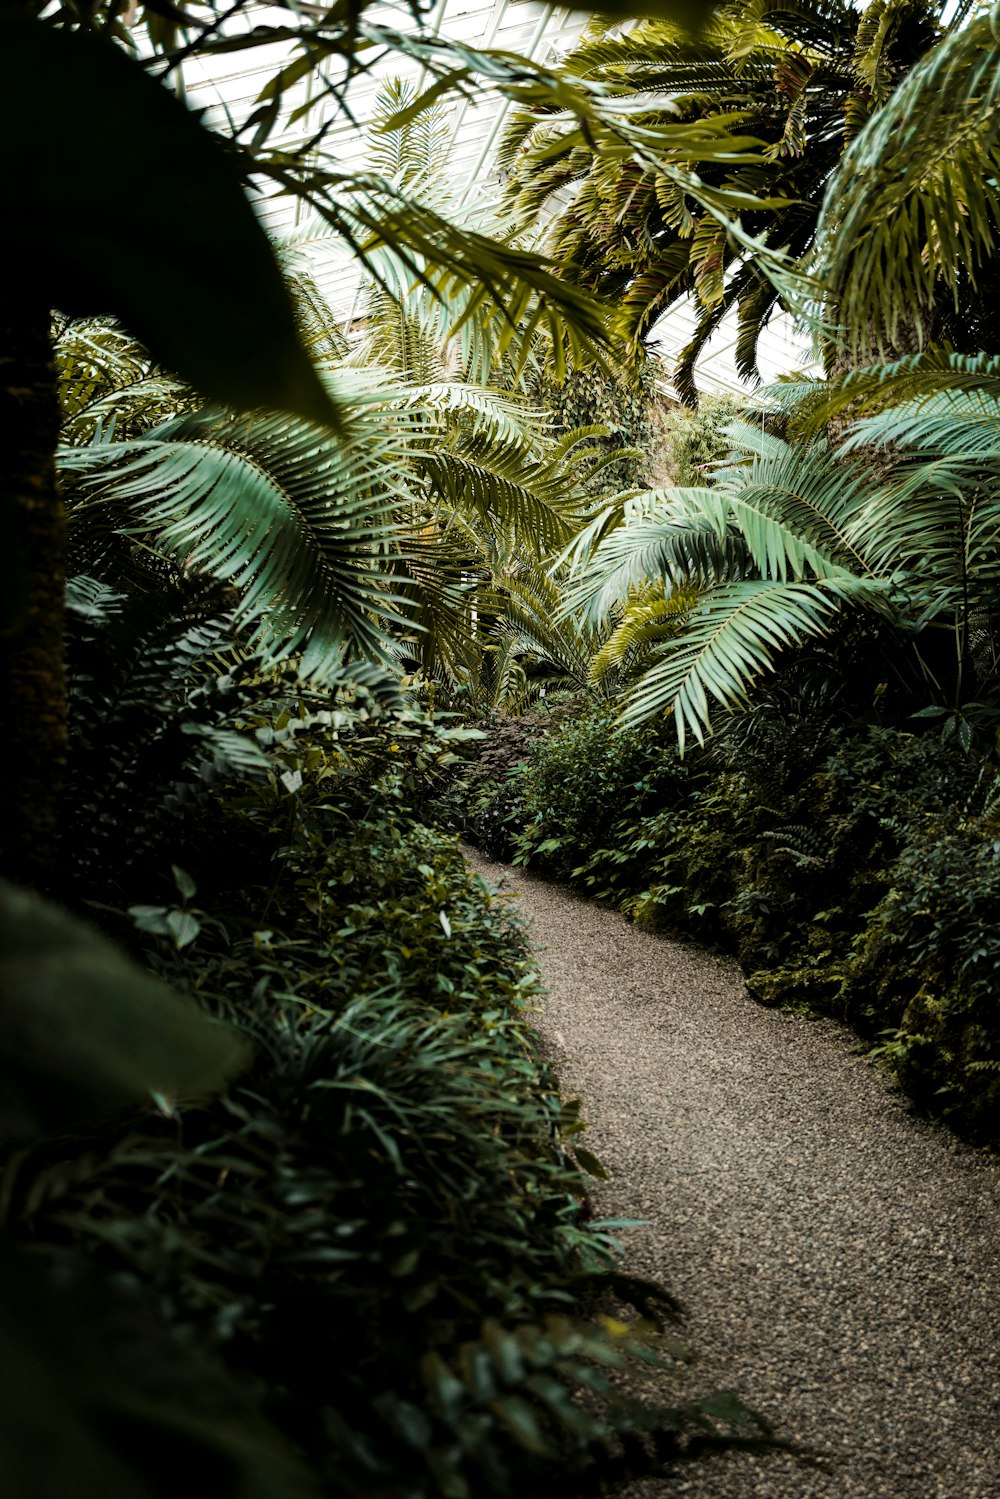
[686, 535]
[812, 403]
[702, 155]
[301, 526]
[798, 511]
[915, 202]
[729, 642]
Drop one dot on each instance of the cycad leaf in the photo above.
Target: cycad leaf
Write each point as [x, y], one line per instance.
[732, 639]
[916, 200]
[686, 534]
[300, 525]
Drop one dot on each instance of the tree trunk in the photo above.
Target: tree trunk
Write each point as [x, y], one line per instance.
[32, 573]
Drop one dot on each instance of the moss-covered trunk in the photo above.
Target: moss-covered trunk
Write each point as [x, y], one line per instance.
[32, 572]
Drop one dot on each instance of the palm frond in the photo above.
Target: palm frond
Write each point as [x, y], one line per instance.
[646, 622]
[300, 526]
[107, 381]
[729, 642]
[812, 403]
[705, 154]
[685, 536]
[797, 510]
[915, 201]
[956, 423]
[937, 510]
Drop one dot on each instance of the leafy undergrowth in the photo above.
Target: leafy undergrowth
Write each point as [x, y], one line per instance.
[853, 869]
[364, 1242]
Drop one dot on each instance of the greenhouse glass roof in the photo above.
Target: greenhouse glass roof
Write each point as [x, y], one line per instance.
[542, 32]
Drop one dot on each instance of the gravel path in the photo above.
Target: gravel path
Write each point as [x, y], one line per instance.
[837, 1258]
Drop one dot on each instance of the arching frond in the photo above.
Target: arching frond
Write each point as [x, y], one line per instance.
[732, 639]
[811, 404]
[687, 535]
[916, 201]
[107, 381]
[798, 511]
[648, 620]
[956, 423]
[706, 154]
[302, 527]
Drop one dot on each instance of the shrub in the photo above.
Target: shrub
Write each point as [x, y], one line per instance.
[624, 403]
[695, 439]
[587, 789]
[495, 812]
[927, 967]
[852, 871]
[375, 1241]
[381, 1227]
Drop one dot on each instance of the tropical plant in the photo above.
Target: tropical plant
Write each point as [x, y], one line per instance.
[135, 255]
[696, 439]
[760, 105]
[452, 363]
[906, 239]
[791, 537]
[377, 1235]
[398, 543]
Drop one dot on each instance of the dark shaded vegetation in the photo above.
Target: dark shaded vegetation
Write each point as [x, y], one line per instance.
[370, 1255]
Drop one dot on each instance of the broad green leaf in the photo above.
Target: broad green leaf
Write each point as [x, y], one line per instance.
[84, 1029]
[183, 927]
[118, 201]
[185, 884]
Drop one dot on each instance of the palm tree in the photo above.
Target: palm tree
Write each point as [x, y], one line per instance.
[93, 245]
[794, 538]
[760, 105]
[393, 543]
[907, 237]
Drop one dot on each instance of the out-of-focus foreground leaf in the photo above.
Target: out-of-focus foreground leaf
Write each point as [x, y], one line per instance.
[84, 1029]
[100, 1400]
[117, 200]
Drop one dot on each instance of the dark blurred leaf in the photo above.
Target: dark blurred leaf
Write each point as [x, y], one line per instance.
[590, 1163]
[84, 1029]
[106, 1402]
[118, 201]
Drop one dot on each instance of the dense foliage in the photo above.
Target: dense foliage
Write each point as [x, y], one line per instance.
[761, 104]
[851, 869]
[285, 1145]
[376, 1238]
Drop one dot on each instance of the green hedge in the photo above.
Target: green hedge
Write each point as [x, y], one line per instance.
[858, 880]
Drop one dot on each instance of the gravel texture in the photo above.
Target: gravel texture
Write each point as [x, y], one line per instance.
[837, 1258]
